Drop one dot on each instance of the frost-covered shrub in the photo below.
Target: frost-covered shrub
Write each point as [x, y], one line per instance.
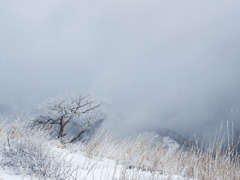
[69, 118]
[28, 151]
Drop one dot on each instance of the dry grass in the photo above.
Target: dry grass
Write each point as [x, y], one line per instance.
[217, 161]
[138, 155]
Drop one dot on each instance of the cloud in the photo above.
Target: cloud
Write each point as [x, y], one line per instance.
[168, 64]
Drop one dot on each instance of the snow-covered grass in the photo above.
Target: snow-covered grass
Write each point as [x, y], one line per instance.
[31, 153]
[214, 162]
[26, 150]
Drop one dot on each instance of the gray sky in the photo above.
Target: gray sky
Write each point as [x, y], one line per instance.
[171, 64]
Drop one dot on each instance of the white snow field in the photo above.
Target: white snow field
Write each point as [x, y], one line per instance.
[94, 169]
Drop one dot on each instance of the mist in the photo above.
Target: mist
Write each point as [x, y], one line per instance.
[160, 64]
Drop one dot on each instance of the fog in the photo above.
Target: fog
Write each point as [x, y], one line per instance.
[160, 64]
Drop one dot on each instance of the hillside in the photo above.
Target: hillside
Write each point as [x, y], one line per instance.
[31, 153]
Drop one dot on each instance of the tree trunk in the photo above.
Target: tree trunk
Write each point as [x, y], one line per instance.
[61, 128]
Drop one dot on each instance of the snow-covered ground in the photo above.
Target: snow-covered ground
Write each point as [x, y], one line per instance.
[95, 169]
[9, 175]
[33, 154]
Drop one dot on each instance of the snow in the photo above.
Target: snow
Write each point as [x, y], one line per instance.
[170, 144]
[8, 175]
[96, 168]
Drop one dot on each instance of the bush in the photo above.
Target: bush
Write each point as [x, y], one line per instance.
[28, 151]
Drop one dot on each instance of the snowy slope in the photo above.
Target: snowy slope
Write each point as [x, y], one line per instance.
[173, 140]
[96, 169]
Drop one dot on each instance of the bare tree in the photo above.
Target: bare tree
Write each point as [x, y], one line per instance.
[59, 112]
